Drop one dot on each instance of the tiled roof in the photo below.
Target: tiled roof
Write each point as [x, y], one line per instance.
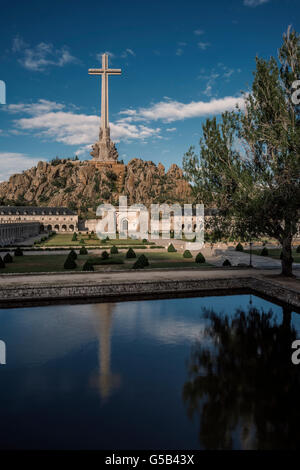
[31, 210]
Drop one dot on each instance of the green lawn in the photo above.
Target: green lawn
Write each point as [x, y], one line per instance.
[275, 253]
[40, 263]
[65, 239]
[55, 263]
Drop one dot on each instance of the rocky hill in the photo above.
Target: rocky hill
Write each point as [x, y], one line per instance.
[81, 186]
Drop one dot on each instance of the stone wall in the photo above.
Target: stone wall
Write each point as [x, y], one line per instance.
[91, 292]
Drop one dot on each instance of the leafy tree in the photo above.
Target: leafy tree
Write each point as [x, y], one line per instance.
[249, 162]
[298, 249]
[2, 264]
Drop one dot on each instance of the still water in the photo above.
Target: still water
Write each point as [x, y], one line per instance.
[193, 373]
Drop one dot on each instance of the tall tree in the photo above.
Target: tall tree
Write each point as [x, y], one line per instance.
[249, 161]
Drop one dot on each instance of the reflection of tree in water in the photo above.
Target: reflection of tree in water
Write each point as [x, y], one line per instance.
[245, 388]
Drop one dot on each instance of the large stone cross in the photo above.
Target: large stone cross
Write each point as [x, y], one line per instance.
[105, 71]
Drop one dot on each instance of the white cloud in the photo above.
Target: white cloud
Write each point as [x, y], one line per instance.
[198, 32]
[170, 111]
[11, 163]
[51, 121]
[41, 56]
[128, 52]
[255, 3]
[179, 51]
[171, 129]
[99, 55]
[203, 45]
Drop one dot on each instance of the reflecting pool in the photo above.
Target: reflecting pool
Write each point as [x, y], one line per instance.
[192, 373]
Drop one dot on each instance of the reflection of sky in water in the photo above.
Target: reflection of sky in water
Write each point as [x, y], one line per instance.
[104, 375]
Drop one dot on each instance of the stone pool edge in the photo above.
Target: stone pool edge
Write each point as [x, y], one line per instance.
[115, 290]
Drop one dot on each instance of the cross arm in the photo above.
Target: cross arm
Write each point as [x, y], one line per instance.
[95, 71]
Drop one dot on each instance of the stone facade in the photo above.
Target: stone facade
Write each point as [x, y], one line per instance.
[57, 219]
[11, 233]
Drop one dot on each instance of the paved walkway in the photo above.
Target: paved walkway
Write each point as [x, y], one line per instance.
[80, 278]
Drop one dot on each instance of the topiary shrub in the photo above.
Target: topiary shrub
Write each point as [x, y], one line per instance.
[73, 254]
[239, 247]
[171, 248]
[70, 263]
[114, 250]
[107, 239]
[82, 242]
[141, 262]
[74, 238]
[104, 255]
[298, 249]
[226, 262]
[88, 266]
[83, 251]
[18, 252]
[8, 258]
[2, 264]
[144, 240]
[130, 253]
[200, 258]
[264, 252]
[187, 254]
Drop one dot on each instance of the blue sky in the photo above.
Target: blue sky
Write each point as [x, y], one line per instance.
[180, 61]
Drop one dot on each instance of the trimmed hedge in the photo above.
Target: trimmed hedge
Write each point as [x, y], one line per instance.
[187, 254]
[131, 254]
[171, 248]
[70, 263]
[264, 252]
[141, 262]
[226, 262]
[104, 255]
[239, 247]
[200, 258]
[73, 254]
[18, 252]
[8, 258]
[114, 250]
[88, 266]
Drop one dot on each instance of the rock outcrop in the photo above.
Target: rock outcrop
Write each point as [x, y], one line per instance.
[82, 186]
